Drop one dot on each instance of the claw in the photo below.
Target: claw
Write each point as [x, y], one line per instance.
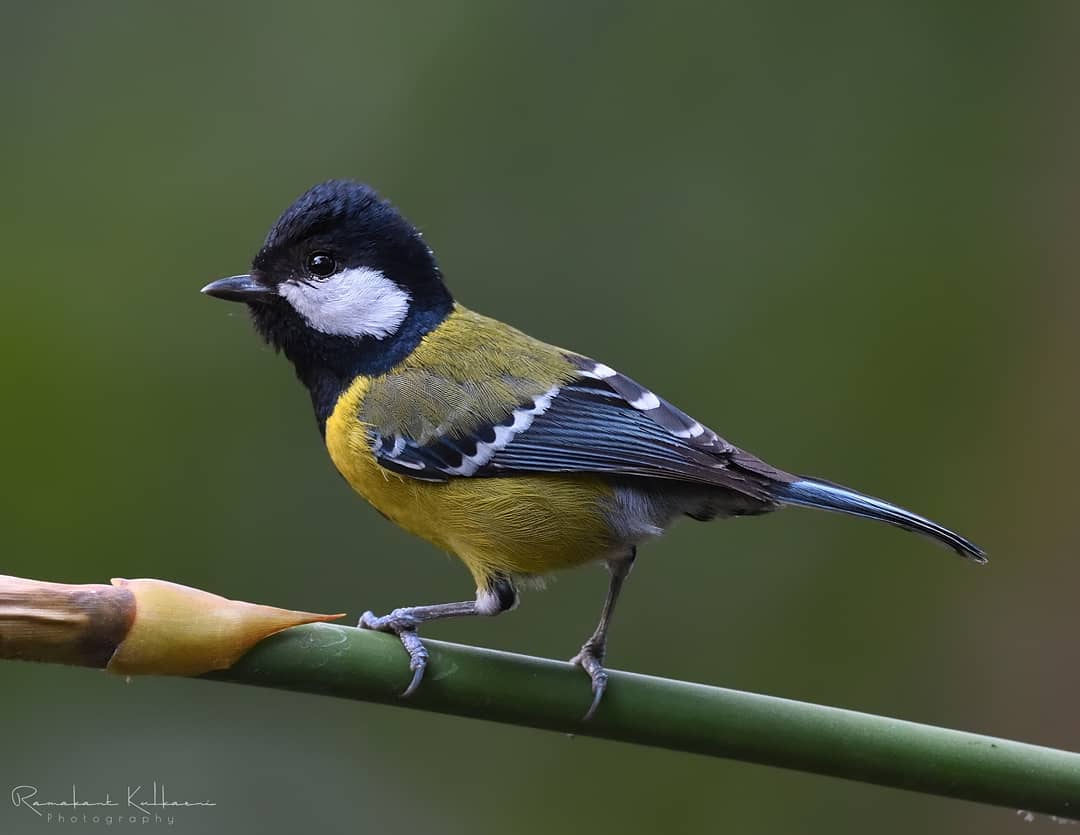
[418, 676]
[418, 658]
[590, 659]
[368, 620]
[405, 629]
[599, 685]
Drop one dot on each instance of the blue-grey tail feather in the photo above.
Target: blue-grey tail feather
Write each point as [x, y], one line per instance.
[812, 492]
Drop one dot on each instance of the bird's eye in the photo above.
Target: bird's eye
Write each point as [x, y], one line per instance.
[321, 265]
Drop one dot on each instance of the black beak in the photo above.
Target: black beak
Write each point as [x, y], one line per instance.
[239, 288]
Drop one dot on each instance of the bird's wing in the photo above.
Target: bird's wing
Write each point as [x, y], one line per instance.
[597, 421]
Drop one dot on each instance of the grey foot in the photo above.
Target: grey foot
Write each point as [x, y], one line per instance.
[401, 622]
[591, 660]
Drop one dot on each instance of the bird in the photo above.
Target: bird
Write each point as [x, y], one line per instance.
[519, 457]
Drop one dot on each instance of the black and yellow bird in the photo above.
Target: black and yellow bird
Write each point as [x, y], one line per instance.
[518, 457]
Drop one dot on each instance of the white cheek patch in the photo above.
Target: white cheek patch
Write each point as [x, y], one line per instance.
[358, 302]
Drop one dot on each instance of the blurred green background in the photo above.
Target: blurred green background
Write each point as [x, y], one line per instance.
[842, 234]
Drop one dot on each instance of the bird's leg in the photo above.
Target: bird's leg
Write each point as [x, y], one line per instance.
[591, 657]
[496, 596]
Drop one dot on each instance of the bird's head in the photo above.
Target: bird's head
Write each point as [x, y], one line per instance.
[343, 284]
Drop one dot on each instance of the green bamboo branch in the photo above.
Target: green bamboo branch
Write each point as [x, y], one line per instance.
[149, 626]
[335, 660]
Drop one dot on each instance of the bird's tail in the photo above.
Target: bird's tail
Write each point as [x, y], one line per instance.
[813, 492]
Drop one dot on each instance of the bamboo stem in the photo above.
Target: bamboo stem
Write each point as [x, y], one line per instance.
[335, 660]
[150, 626]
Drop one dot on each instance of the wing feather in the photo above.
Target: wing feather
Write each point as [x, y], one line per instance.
[599, 422]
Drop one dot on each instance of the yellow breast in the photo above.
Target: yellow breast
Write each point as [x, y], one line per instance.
[516, 524]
